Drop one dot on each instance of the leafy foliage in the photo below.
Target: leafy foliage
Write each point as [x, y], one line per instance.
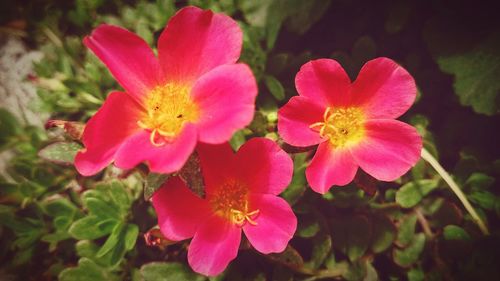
[57, 224]
[473, 59]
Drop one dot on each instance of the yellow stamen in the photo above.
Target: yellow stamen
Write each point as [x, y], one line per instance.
[341, 126]
[240, 217]
[168, 109]
[152, 138]
[230, 201]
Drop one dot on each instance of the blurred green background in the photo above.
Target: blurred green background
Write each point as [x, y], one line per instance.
[55, 224]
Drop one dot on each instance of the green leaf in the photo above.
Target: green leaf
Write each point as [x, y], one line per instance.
[173, 271]
[466, 166]
[473, 59]
[31, 188]
[17, 225]
[356, 271]
[91, 227]
[484, 198]
[479, 181]
[86, 249]
[62, 222]
[112, 240]
[86, 270]
[409, 255]
[418, 171]
[412, 193]
[349, 196]
[153, 182]
[406, 230]
[53, 238]
[144, 32]
[322, 245]
[289, 257]
[164, 10]
[259, 123]
[421, 123]
[237, 140]
[303, 14]
[27, 232]
[432, 206]
[257, 12]
[416, 274]
[359, 238]
[384, 233]
[447, 213]
[453, 232]
[272, 29]
[89, 249]
[298, 184]
[100, 208]
[60, 207]
[277, 63]
[351, 235]
[119, 195]
[253, 53]
[114, 193]
[275, 88]
[270, 14]
[9, 126]
[131, 233]
[476, 74]
[390, 195]
[113, 258]
[371, 273]
[23, 256]
[98, 192]
[308, 226]
[62, 153]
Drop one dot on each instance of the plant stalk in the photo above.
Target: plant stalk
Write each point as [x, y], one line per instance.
[454, 187]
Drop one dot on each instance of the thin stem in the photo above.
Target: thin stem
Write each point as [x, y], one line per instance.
[424, 223]
[454, 187]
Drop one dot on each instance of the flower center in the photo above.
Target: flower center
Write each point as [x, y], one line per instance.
[168, 108]
[231, 202]
[341, 126]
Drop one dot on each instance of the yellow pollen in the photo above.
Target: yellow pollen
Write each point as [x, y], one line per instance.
[230, 201]
[168, 108]
[341, 126]
[239, 217]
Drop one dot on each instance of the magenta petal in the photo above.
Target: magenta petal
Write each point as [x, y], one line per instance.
[105, 132]
[217, 164]
[276, 224]
[127, 56]
[214, 245]
[294, 119]
[383, 89]
[330, 166]
[264, 166]
[389, 150]
[166, 159]
[196, 41]
[179, 210]
[226, 98]
[324, 81]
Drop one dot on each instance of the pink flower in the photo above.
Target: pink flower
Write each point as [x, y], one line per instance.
[194, 91]
[353, 123]
[241, 194]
